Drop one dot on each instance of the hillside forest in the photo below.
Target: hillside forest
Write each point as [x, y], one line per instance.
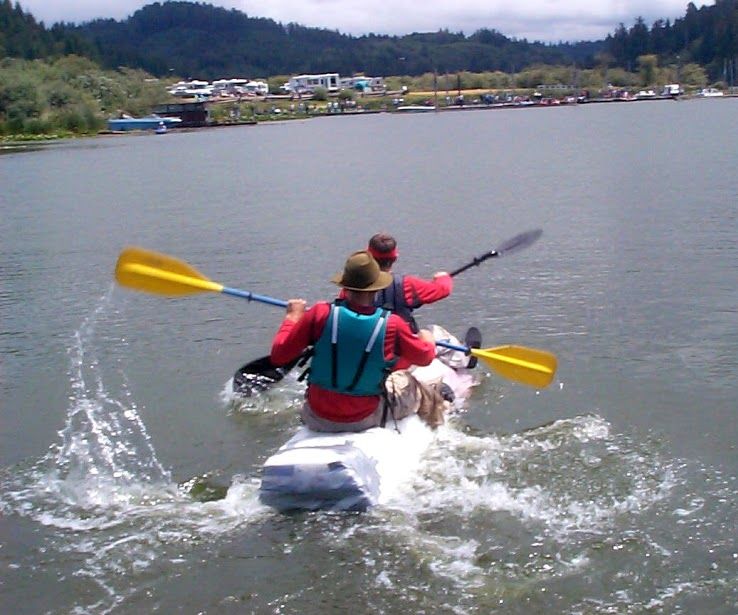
[67, 78]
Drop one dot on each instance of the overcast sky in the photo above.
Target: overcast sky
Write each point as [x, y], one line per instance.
[544, 20]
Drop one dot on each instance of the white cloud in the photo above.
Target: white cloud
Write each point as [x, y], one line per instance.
[547, 20]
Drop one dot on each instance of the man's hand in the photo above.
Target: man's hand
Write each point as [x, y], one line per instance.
[440, 274]
[295, 309]
[427, 336]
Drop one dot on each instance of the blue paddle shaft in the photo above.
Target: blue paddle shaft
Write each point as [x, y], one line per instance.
[244, 294]
[463, 349]
[235, 292]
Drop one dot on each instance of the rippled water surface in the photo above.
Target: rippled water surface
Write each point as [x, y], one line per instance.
[612, 491]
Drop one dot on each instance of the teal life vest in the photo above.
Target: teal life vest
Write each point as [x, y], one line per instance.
[349, 355]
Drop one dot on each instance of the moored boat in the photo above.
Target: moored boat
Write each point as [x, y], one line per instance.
[415, 108]
[710, 93]
[150, 122]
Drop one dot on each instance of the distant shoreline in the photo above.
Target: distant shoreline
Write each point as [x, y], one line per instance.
[11, 143]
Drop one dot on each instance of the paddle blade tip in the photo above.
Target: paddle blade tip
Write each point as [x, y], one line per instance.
[153, 272]
[530, 366]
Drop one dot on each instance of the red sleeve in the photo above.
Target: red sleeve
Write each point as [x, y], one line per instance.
[399, 340]
[419, 292]
[293, 337]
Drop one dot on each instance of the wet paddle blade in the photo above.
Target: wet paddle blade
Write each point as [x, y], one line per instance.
[260, 374]
[529, 366]
[518, 242]
[523, 240]
[153, 272]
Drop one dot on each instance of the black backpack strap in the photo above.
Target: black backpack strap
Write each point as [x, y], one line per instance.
[389, 403]
[304, 358]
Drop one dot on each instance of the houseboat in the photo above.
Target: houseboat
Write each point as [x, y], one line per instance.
[150, 122]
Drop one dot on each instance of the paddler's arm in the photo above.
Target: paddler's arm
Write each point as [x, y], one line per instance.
[412, 349]
[421, 292]
[294, 333]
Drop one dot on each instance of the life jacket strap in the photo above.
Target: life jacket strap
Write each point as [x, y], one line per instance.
[367, 350]
[334, 345]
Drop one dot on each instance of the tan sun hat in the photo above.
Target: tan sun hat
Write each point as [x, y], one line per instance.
[362, 272]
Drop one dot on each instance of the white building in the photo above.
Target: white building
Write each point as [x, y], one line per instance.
[236, 87]
[190, 89]
[309, 83]
[260, 88]
[672, 89]
[228, 87]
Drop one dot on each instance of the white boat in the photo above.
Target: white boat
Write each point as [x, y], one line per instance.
[355, 471]
[415, 108]
[710, 93]
[645, 94]
[150, 122]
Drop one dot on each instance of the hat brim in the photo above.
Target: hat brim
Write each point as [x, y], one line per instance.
[384, 279]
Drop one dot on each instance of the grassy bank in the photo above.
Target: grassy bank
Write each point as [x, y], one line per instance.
[72, 96]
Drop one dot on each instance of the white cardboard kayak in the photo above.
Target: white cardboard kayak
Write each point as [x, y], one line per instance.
[344, 471]
[354, 471]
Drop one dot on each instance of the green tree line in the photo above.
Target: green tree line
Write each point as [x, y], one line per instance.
[207, 42]
[200, 40]
[70, 95]
[707, 36]
[21, 36]
[69, 78]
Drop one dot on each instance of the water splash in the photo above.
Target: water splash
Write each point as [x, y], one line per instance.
[492, 521]
[104, 437]
[279, 399]
[501, 520]
[111, 508]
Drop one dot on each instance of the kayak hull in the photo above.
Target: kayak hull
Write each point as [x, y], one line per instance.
[356, 471]
[343, 471]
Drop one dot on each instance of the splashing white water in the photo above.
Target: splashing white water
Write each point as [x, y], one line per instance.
[112, 506]
[487, 516]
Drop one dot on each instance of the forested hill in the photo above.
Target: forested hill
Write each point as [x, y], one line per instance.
[202, 41]
[707, 36]
[21, 36]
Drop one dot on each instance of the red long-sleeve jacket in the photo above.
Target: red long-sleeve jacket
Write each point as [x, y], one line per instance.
[293, 337]
[420, 292]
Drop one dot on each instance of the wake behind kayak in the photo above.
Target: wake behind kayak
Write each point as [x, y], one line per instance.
[355, 471]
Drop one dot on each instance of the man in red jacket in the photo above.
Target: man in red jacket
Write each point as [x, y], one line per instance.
[406, 293]
[356, 345]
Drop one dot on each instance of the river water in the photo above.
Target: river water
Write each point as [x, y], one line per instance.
[611, 491]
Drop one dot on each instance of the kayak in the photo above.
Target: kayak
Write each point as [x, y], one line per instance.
[356, 471]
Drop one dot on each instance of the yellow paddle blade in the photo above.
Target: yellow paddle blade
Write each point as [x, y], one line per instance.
[529, 366]
[153, 272]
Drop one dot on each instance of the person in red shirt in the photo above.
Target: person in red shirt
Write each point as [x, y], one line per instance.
[406, 293]
[355, 347]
